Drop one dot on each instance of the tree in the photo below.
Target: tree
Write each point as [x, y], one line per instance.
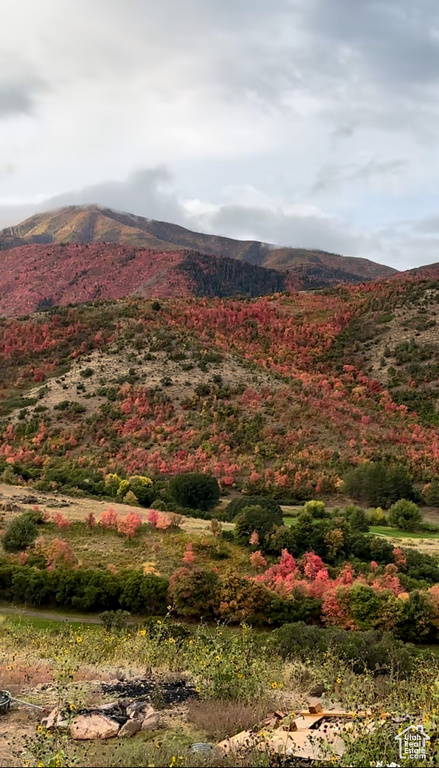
[20, 533]
[357, 518]
[379, 484]
[195, 490]
[255, 518]
[237, 505]
[405, 515]
[315, 508]
[431, 493]
[193, 592]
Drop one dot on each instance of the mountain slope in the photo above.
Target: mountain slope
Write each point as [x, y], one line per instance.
[40, 276]
[95, 224]
[254, 391]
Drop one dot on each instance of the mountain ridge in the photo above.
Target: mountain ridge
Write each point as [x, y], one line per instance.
[95, 223]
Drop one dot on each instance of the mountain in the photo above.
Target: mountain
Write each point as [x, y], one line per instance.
[40, 276]
[94, 224]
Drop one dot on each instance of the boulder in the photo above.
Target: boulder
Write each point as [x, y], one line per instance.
[93, 726]
[151, 720]
[129, 729]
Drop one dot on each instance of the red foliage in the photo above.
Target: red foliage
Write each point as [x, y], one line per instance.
[189, 557]
[129, 525]
[90, 520]
[61, 521]
[109, 519]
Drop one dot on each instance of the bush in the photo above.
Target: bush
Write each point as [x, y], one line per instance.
[379, 484]
[20, 533]
[237, 505]
[194, 592]
[241, 599]
[431, 493]
[315, 508]
[364, 650]
[255, 518]
[195, 490]
[115, 620]
[357, 518]
[87, 590]
[405, 515]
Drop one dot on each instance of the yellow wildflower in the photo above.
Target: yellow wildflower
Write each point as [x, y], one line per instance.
[274, 685]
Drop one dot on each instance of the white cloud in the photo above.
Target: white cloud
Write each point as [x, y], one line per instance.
[301, 121]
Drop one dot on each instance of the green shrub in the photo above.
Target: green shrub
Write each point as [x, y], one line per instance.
[357, 518]
[237, 505]
[20, 533]
[255, 518]
[431, 494]
[405, 515]
[193, 592]
[315, 508]
[364, 650]
[115, 620]
[195, 490]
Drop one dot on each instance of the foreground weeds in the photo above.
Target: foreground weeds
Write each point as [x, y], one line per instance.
[239, 679]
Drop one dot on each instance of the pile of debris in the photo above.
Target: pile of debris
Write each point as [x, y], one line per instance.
[133, 711]
[121, 718]
[311, 735]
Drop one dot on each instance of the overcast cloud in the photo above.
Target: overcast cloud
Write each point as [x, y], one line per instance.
[299, 122]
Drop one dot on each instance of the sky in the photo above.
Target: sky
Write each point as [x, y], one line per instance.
[311, 123]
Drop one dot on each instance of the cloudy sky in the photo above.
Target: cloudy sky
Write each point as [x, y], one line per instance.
[302, 122]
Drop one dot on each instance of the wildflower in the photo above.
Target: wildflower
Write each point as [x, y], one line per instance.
[40, 729]
[274, 685]
[72, 706]
[143, 632]
[338, 680]
[79, 639]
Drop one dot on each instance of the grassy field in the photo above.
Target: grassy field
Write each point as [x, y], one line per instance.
[396, 533]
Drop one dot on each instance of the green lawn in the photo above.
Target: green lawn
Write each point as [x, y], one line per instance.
[395, 533]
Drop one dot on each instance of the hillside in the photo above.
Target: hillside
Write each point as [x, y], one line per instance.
[396, 341]
[268, 394]
[93, 224]
[40, 276]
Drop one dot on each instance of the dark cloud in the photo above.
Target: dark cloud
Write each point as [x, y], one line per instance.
[278, 226]
[333, 177]
[20, 97]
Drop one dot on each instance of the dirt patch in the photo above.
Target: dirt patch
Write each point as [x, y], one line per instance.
[17, 728]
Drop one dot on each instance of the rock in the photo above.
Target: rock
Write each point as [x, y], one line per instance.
[107, 707]
[93, 727]
[130, 728]
[151, 721]
[55, 719]
[139, 709]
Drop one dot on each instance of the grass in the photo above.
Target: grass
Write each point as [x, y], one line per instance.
[224, 666]
[396, 533]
